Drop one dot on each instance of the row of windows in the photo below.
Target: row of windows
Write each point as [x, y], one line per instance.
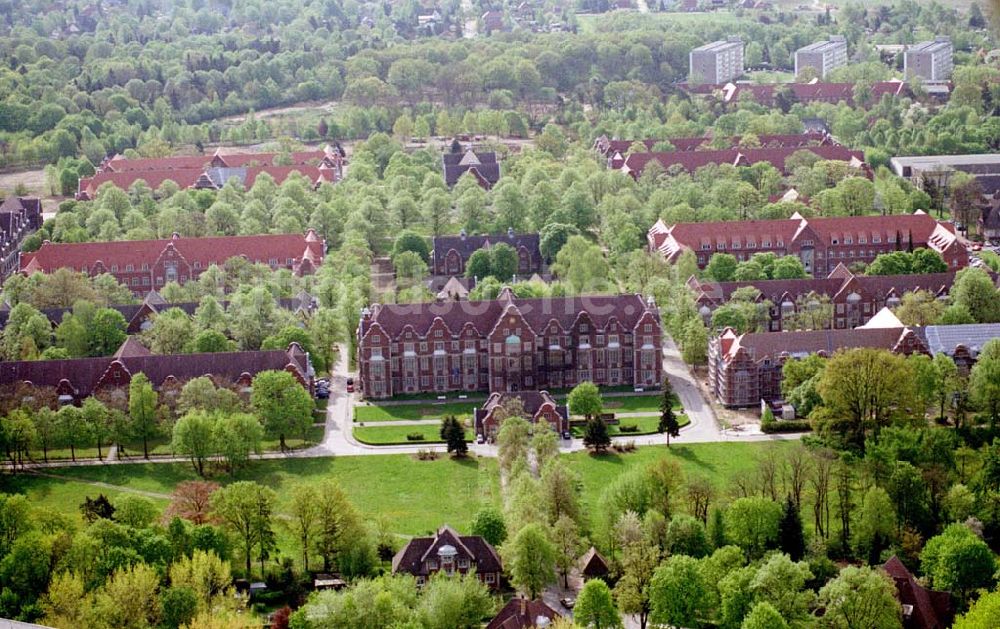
[541, 342]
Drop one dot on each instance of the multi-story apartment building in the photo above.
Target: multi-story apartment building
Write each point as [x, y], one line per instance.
[929, 60]
[19, 218]
[854, 299]
[717, 63]
[820, 243]
[509, 344]
[822, 56]
[145, 265]
[745, 369]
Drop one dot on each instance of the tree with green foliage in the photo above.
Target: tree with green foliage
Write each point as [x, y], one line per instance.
[678, 593]
[984, 385]
[246, 508]
[453, 433]
[983, 614]
[721, 267]
[194, 436]
[582, 266]
[876, 524]
[595, 608]
[958, 561]
[142, 403]
[568, 544]
[763, 615]
[633, 589]
[595, 435]
[282, 404]
[975, 290]
[454, 602]
[585, 399]
[752, 524]
[668, 420]
[408, 240]
[489, 524]
[860, 597]
[73, 428]
[530, 559]
[791, 537]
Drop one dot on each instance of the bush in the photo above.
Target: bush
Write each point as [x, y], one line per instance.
[624, 447]
[415, 436]
[628, 428]
[797, 425]
[426, 455]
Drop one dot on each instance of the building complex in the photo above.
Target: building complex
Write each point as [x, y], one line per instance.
[19, 218]
[822, 56]
[929, 60]
[718, 62]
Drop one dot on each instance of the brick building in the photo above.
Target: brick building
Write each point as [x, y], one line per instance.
[201, 172]
[75, 379]
[482, 165]
[635, 163]
[745, 369]
[855, 298]
[19, 218]
[820, 243]
[452, 253]
[509, 344]
[450, 553]
[608, 148]
[717, 62]
[145, 265]
[539, 406]
[769, 95]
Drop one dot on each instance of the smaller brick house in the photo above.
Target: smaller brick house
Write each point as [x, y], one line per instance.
[538, 407]
[482, 165]
[923, 608]
[19, 218]
[451, 553]
[452, 253]
[520, 613]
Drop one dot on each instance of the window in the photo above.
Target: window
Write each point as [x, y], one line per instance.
[647, 327]
[145, 281]
[848, 240]
[423, 346]
[376, 338]
[135, 281]
[834, 241]
[145, 266]
[114, 268]
[862, 240]
[289, 261]
[463, 563]
[197, 264]
[490, 577]
[438, 334]
[420, 580]
[432, 564]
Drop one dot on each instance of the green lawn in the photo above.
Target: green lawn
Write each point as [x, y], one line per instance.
[647, 425]
[635, 404]
[382, 435]
[384, 413]
[414, 496]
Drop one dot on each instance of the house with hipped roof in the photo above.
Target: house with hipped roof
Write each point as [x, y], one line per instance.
[635, 164]
[449, 553]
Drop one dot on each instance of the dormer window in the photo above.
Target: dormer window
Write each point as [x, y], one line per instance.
[848, 240]
[834, 241]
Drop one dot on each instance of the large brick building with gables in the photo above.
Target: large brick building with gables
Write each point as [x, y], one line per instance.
[820, 243]
[145, 265]
[452, 253]
[509, 344]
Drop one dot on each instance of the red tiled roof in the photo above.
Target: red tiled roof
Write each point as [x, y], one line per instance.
[188, 177]
[931, 609]
[691, 161]
[797, 140]
[121, 164]
[51, 256]
[773, 344]
[520, 613]
[810, 92]
[923, 229]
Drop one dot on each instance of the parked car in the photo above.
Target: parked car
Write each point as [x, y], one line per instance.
[567, 435]
[350, 385]
[322, 394]
[567, 602]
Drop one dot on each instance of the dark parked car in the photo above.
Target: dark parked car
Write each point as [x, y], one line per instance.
[350, 385]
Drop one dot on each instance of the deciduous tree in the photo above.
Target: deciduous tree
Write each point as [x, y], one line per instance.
[530, 559]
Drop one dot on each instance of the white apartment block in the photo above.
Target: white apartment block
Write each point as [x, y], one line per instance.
[822, 56]
[717, 63]
[929, 60]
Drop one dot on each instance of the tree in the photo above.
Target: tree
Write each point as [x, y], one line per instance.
[237, 436]
[568, 545]
[135, 511]
[304, 522]
[595, 435]
[686, 536]
[861, 597]
[128, 600]
[678, 593]
[668, 420]
[919, 308]
[97, 420]
[581, 264]
[191, 500]
[283, 405]
[106, 332]
[142, 401]
[342, 539]
[694, 342]
[530, 559]
[782, 583]
[73, 428]
[246, 509]
[974, 289]
[194, 437]
[479, 265]
[763, 615]
[958, 561]
[488, 523]
[791, 538]
[453, 433]
[512, 439]
[180, 604]
[408, 240]
[984, 386]
[63, 602]
[585, 399]
[752, 524]
[721, 267]
[867, 387]
[983, 614]
[503, 262]
[553, 237]
[450, 602]
[876, 523]
[633, 588]
[595, 608]
[96, 508]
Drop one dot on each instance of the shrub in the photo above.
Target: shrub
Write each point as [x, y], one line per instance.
[797, 425]
[624, 446]
[628, 428]
[415, 436]
[426, 455]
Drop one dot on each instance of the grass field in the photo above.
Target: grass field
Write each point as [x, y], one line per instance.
[382, 435]
[381, 413]
[647, 426]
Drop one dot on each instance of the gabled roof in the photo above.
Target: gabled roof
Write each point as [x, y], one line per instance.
[884, 319]
[635, 163]
[411, 558]
[772, 345]
[301, 158]
[797, 140]
[465, 245]
[928, 609]
[521, 613]
[132, 348]
[811, 92]
[52, 256]
[532, 401]
[484, 163]
[593, 564]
